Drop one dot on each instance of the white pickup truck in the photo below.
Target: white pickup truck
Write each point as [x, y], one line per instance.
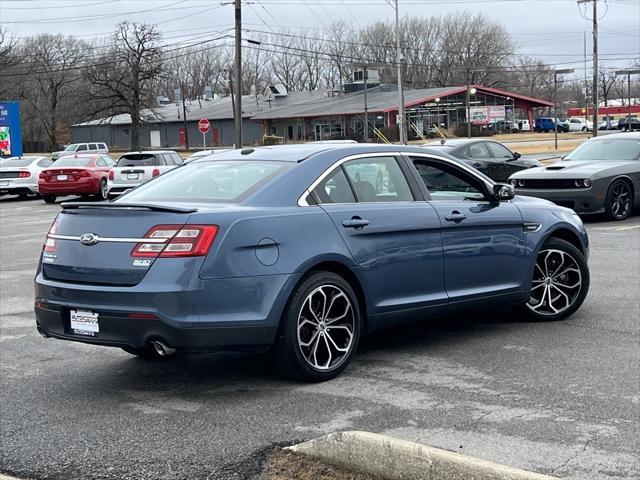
[135, 168]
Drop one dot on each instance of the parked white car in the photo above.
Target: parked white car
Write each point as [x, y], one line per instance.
[92, 147]
[523, 125]
[135, 168]
[19, 175]
[579, 125]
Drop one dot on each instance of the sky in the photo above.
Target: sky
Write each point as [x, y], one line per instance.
[549, 29]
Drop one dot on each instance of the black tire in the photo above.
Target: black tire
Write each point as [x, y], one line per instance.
[49, 198]
[287, 351]
[619, 200]
[574, 298]
[148, 353]
[584, 129]
[102, 191]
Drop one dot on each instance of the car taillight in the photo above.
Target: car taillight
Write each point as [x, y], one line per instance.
[50, 243]
[24, 174]
[155, 172]
[177, 241]
[112, 175]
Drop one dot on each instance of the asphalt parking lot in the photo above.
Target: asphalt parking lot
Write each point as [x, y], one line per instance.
[557, 398]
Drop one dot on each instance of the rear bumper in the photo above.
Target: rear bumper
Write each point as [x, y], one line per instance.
[15, 189]
[63, 188]
[579, 200]
[118, 330]
[225, 314]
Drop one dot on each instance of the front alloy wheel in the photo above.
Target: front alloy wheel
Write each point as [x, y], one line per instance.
[320, 328]
[619, 200]
[560, 281]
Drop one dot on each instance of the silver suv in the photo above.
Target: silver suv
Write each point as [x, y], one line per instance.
[135, 168]
[92, 147]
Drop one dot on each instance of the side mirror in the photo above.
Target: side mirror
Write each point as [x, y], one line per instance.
[502, 191]
[516, 155]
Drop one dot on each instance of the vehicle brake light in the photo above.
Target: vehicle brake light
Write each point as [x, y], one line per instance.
[50, 243]
[178, 241]
[24, 174]
[155, 172]
[112, 175]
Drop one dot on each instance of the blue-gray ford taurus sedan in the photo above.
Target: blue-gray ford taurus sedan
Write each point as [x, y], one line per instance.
[301, 250]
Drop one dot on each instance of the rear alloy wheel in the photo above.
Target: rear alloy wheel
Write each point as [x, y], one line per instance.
[320, 329]
[49, 198]
[560, 281]
[103, 193]
[619, 200]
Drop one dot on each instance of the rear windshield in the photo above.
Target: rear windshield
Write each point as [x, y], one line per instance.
[17, 162]
[73, 162]
[215, 181]
[137, 160]
[607, 149]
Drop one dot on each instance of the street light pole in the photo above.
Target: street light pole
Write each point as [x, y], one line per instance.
[237, 113]
[366, 112]
[555, 101]
[628, 73]
[401, 118]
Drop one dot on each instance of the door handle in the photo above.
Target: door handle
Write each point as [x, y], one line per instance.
[455, 216]
[356, 223]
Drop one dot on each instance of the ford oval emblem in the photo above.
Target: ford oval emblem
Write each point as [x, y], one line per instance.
[89, 239]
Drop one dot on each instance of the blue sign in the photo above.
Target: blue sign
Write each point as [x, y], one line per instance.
[10, 132]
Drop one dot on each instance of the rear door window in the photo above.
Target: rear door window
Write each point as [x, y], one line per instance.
[478, 150]
[137, 160]
[378, 179]
[92, 146]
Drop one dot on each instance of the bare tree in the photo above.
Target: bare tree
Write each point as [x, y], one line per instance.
[49, 81]
[122, 79]
[608, 83]
[7, 49]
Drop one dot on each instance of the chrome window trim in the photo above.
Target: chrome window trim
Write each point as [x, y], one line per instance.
[302, 202]
[56, 236]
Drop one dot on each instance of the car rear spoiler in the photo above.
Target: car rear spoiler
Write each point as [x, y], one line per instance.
[129, 206]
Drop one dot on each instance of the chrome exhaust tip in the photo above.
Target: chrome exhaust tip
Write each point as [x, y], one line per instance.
[162, 349]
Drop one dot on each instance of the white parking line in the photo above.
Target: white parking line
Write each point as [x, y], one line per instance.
[617, 229]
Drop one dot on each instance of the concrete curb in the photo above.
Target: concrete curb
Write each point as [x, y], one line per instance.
[392, 458]
[6, 477]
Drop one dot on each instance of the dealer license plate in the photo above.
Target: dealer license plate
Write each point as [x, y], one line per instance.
[84, 322]
[62, 177]
[132, 176]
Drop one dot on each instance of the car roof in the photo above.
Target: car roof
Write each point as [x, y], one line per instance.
[298, 152]
[632, 135]
[93, 156]
[150, 152]
[456, 142]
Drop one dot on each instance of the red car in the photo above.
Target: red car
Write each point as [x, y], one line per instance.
[76, 175]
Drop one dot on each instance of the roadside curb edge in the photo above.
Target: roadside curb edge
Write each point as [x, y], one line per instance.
[393, 458]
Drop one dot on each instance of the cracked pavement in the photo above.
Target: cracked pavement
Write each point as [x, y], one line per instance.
[556, 398]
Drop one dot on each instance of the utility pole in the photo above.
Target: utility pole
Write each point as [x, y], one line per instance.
[184, 120]
[555, 101]
[468, 102]
[586, 82]
[401, 115]
[366, 108]
[595, 63]
[628, 73]
[237, 108]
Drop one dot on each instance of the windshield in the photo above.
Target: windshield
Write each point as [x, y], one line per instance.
[17, 161]
[215, 181]
[72, 162]
[137, 160]
[607, 149]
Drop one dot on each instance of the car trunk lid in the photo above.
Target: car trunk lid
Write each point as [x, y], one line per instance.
[92, 243]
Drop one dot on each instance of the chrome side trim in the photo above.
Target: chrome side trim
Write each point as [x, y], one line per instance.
[302, 200]
[56, 236]
[532, 227]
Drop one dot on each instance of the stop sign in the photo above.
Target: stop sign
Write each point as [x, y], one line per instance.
[203, 125]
